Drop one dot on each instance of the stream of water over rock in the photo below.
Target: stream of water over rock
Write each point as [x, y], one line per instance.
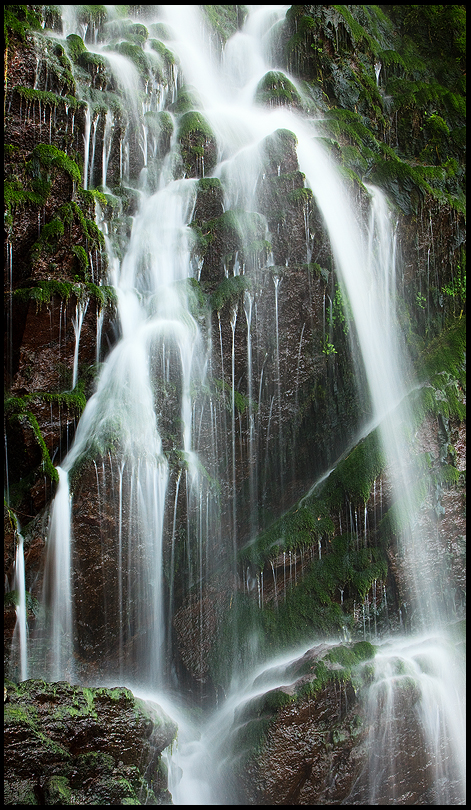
[154, 384]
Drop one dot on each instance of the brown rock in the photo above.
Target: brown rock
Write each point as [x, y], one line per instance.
[74, 745]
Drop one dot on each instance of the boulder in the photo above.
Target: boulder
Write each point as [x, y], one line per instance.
[67, 744]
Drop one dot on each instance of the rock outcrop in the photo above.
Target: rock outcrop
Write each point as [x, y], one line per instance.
[67, 744]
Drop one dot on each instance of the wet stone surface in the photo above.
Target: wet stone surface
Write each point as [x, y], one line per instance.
[67, 744]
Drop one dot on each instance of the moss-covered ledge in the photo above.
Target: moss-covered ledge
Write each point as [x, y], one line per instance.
[68, 744]
[316, 715]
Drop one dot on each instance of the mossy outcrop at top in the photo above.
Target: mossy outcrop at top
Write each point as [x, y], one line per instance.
[69, 744]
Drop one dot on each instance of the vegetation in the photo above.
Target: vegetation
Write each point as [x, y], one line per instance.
[224, 20]
[276, 89]
[408, 122]
[229, 291]
[19, 20]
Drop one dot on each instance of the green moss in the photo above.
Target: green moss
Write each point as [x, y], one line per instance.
[163, 51]
[13, 598]
[58, 790]
[44, 291]
[310, 520]
[20, 714]
[14, 194]
[307, 610]
[91, 14]
[47, 98]
[206, 184]
[445, 354]
[359, 470]
[137, 32]
[224, 20]
[136, 55]
[50, 156]
[47, 464]
[228, 291]
[75, 46]
[194, 122]
[350, 124]
[276, 89]
[17, 193]
[82, 260]
[19, 20]
[300, 196]
[187, 101]
[74, 401]
[49, 236]
[92, 196]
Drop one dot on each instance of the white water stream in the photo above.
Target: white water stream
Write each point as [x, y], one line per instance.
[156, 323]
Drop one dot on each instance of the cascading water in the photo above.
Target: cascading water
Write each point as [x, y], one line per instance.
[151, 404]
[20, 637]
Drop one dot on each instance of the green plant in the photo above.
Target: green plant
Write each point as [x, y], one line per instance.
[420, 300]
[49, 156]
[328, 348]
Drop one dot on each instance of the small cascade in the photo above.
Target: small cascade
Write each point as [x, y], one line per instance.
[57, 586]
[107, 143]
[414, 702]
[277, 281]
[20, 636]
[378, 67]
[248, 306]
[233, 438]
[86, 140]
[77, 323]
[382, 257]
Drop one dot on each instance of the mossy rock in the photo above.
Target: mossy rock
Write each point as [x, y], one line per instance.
[136, 55]
[76, 745]
[50, 157]
[279, 150]
[224, 20]
[198, 145]
[92, 62]
[75, 47]
[312, 678]
[275, 89]
[209, 201]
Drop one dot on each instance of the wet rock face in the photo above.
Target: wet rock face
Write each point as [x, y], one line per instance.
[72, 745]
[312, 753]
[303, 743]
[348, 735]
[442, 522]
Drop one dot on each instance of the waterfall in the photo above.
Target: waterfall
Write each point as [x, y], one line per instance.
[77, 322]
[168, 507]
[57, 585]
[20, 637]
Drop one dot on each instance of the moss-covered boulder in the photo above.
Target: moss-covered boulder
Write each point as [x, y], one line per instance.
[198, 145]
[276, 90]
[303, 743]
[69, 744]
